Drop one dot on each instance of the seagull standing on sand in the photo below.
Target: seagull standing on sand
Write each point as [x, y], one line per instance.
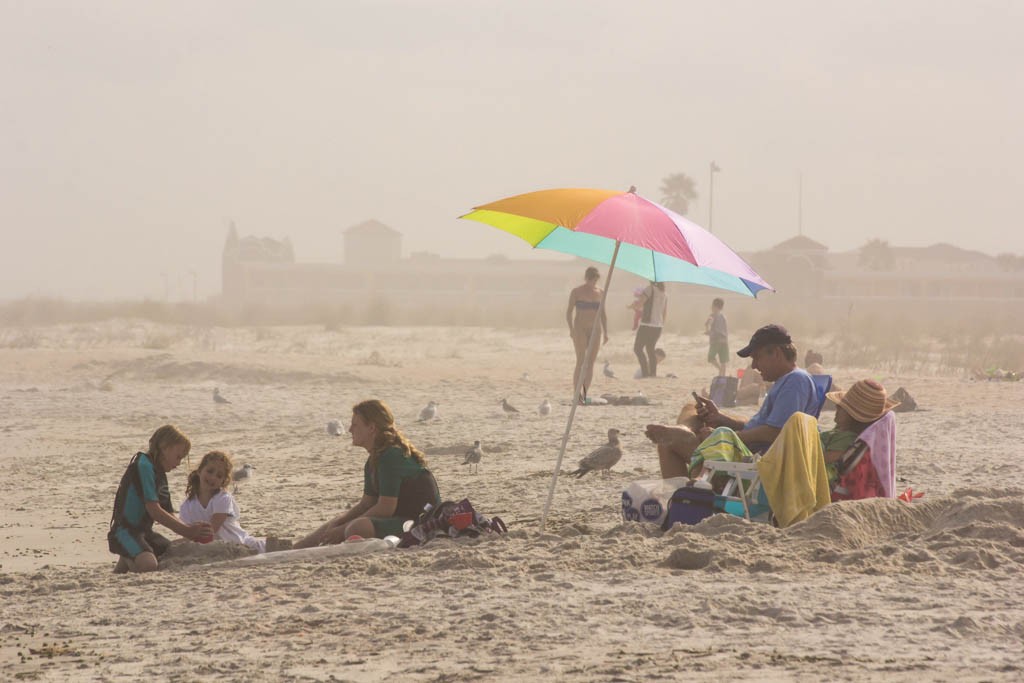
[602, 458]
[217, 398]
[428, 413]
[242, 475]
[608, 372]
[544, 408]
[473, 456]
[508, 407]
[334, 428]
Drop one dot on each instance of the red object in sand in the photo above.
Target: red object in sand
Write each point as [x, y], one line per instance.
[354, 537]
[910, 495]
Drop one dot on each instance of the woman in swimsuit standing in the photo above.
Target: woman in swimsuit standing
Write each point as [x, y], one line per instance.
[584, 302]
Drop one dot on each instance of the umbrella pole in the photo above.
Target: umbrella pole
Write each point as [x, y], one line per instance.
[591, 351]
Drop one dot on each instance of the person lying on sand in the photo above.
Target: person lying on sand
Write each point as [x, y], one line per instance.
[396, 481]
[143, 498]
[772, 354]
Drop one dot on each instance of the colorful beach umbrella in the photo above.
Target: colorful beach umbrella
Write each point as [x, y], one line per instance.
[652, 241]
[625, 230]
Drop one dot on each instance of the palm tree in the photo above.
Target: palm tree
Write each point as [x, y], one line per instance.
[677, 191]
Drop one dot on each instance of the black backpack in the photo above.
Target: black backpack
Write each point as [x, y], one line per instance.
[689, 505]
[450, 519]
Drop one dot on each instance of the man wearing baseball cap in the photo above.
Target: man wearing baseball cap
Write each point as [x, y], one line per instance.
[772, 353]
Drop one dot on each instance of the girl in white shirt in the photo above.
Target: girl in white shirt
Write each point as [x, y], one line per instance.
[207, 500]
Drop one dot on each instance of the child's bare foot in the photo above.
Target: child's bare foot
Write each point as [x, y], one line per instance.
[121, 567]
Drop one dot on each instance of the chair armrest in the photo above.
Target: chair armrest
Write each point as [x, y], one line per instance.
[747, 470]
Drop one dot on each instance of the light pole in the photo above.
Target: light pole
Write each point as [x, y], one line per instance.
[711, 195]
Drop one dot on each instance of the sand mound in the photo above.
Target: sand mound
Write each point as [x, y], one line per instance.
[972, 529]
[184, 553]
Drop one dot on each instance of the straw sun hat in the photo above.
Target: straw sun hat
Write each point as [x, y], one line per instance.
[865, 401]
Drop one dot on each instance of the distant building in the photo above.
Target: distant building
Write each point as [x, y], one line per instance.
[242, 255]
[371, 243]
[796, 266]
[802, 267]
[263, 272]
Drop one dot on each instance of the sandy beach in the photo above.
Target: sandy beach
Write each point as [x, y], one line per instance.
[862, 591]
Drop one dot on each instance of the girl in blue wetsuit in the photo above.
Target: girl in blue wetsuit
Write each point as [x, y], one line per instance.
[396, 481]
[143, 498]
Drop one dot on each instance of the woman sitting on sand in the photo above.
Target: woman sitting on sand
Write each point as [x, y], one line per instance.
[396, 481]
[856, 409]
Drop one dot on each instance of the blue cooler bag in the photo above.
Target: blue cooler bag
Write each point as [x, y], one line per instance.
[689, 505]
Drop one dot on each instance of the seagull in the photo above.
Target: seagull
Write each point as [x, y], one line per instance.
[602, 458]
[544, 408]
[217, 398]
[608, 372]
[241, 476]
[333, 428]
[508, 407]
[525, 377]
[429, 412]
[473, 456]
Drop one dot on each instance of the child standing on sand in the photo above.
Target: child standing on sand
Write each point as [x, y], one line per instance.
[717, 330]
[142, 498]
[207, 500]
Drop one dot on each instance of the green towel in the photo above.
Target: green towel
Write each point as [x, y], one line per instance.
[721, 444]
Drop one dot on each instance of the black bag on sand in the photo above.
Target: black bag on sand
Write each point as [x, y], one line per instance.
[907, 402]
[689, 505]
[723, 391]
[450, 519]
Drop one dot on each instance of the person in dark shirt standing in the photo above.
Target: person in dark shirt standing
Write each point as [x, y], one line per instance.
[717, 329]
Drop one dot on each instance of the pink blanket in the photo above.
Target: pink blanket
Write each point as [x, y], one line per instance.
[880, 438]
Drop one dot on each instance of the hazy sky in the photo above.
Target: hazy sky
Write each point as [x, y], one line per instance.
[132, 132]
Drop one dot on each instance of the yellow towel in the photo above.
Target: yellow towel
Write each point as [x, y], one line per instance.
[793, 471]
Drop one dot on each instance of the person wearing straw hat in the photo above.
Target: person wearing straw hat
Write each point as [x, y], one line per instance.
[856, 409]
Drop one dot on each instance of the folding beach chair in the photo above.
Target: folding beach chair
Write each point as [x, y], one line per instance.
[822, 384]
[743, 494]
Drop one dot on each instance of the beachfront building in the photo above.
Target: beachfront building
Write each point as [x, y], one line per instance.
[372, 243]
[375, 281]
[373, 276]
[802, 267]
